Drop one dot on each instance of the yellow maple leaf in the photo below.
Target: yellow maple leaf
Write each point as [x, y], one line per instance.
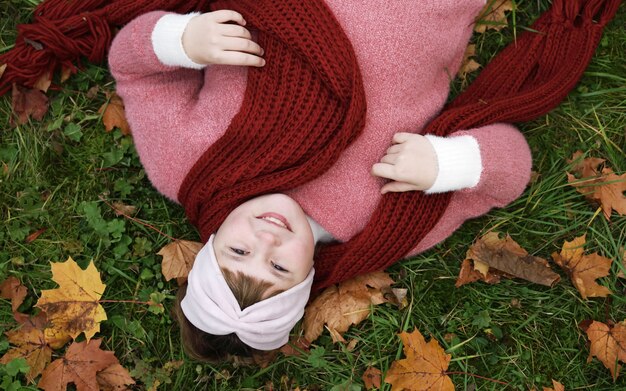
[583, 268]
[74, 307]
[424, 367]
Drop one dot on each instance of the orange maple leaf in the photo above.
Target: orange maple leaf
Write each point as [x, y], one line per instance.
[114, 115]
[12, 289]
[424, 367]
[608, 344]
[343, 305]
[74, 307]
[30, 344]
[178, 258]
[599, 186]
[557, 386]
[114, 377]
[493, 16]
[582, 268]
[80, 364]
[371, 378]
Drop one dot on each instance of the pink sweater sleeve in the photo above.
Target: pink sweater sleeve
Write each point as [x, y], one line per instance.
[175, 113]
[506, 165]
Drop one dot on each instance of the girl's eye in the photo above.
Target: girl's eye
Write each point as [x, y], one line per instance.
[279, 268]
[238, 251]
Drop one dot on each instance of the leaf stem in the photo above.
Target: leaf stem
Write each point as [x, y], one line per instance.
[119, 212]
[127, 301]
[478, 376]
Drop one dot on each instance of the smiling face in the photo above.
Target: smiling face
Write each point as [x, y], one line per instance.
[269, 238]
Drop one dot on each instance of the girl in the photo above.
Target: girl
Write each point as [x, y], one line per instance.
[186, 81]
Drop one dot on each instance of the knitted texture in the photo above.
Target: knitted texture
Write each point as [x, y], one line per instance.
[526, 80]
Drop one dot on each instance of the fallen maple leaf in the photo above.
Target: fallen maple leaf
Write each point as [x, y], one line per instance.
[371, 378]
[504, 257]
[113, 378]
[79, 366]
[114, 115]
[178, 258]
[3, 67]
[73, 308]
[582, 268]
[600, 186]
[12, 289]
[28, 102]
[295, 347]
[30, 344]
[469, 274]
[557, 386]
[608, 344]
[469, 65]
[424, 367]
[44, 82]
[493, 16]
[343, 305]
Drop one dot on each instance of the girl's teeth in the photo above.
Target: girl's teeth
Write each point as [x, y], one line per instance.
[275, 221]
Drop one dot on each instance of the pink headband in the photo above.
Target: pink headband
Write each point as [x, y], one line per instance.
[210, 305]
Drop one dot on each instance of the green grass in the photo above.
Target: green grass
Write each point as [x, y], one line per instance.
[515, 332]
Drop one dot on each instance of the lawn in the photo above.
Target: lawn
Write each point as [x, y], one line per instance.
[62, 176]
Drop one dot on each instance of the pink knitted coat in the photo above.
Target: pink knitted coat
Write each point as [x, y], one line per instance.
[408, 53]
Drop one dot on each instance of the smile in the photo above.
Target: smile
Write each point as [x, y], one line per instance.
[276, 219]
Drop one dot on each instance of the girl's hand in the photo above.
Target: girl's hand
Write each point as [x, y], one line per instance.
[410, 164]
[209, 39]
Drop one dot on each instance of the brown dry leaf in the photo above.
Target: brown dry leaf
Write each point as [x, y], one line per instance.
[30, 344]
[80, 364]
[557, 386]
[3, 67]
[113, 114]
[32, 237]
[469, 274]
[12, 289]
[114, 378]
[493, 16]
[396, 296]
[27, 102]
[424, 367]
[121, 209]
[66, 72]
[608, 344]
[583, 269]
[348, 303]
[505, 255]
[44, 81]
[178, 258]
[371, 378]
[603, 187]
[469, 65]
[74, 307]
[293, 347]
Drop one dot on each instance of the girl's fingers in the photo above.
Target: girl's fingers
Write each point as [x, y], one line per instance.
[383, 170]
[241, 45]
[240, 58]
[233, 30]
[397, 187]
[223, 16]
[389, 158]
[396, 148]
[402, 137]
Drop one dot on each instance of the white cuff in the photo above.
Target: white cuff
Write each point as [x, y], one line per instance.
[459, 160]
[167, 41]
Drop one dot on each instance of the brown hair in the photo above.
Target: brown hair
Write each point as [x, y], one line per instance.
[203, 346]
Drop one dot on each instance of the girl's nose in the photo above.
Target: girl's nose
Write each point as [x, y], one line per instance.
[269, 238]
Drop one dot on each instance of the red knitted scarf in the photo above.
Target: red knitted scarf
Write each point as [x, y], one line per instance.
[307, 105]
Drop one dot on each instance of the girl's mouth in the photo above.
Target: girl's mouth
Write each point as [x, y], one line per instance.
[276, 219]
